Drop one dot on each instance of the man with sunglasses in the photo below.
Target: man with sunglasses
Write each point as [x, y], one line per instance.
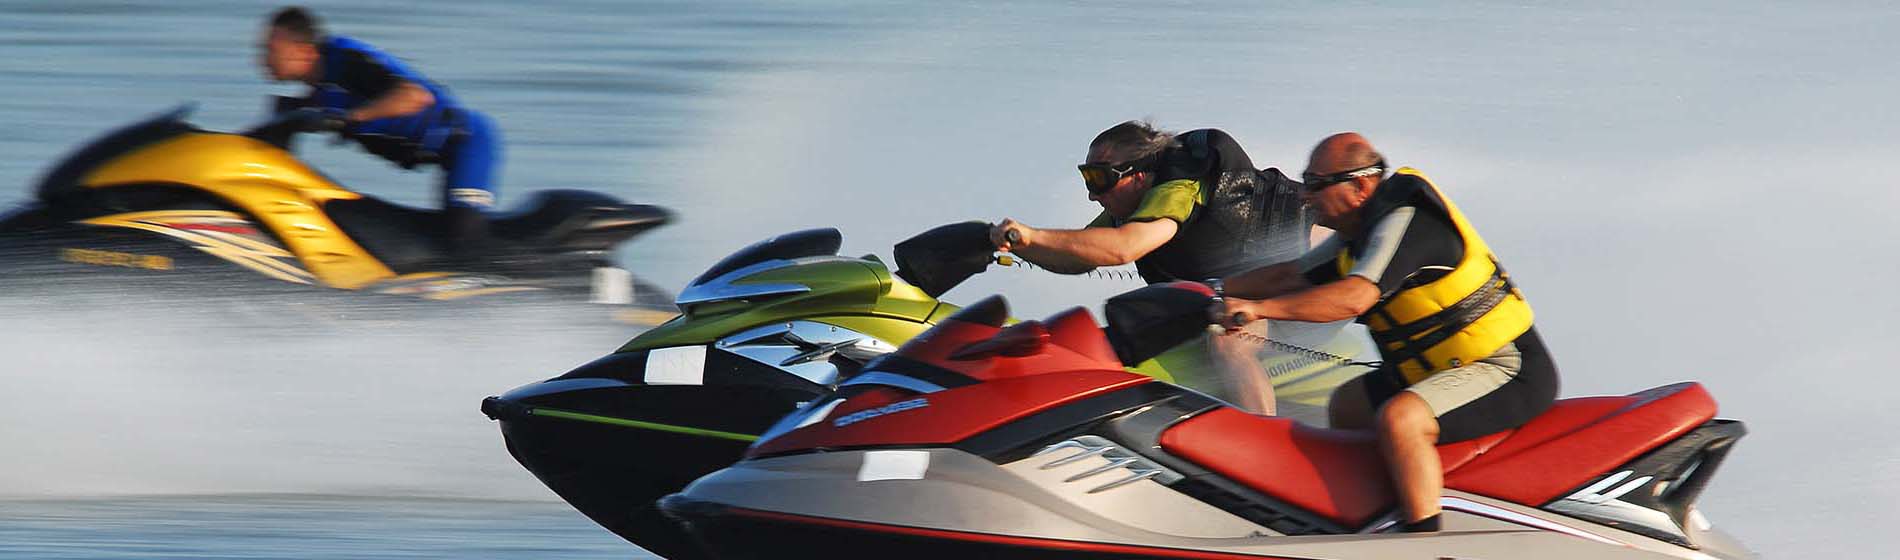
[1181, 207]
[1461, 358]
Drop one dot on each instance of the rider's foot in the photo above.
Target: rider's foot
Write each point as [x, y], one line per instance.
[1426, 525]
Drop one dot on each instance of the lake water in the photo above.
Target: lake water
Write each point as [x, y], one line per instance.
[1686, 190]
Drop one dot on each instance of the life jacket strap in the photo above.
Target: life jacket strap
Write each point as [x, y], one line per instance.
[1398, 345]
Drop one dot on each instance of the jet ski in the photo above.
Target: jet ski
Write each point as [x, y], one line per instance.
[774, 326]
[164, 204]
[979, 439]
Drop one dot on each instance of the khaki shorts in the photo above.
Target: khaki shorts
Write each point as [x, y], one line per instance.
[1498, 393]
[1447, 390]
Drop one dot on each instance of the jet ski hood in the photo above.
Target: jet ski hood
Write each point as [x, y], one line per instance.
[63, 181]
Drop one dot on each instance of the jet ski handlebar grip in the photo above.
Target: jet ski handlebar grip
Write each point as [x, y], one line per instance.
[323, 120]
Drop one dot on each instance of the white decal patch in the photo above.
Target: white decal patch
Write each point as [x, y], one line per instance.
[894, 465]
[679, 365]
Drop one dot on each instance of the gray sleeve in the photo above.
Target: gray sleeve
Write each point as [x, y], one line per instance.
[1382, 242]
[1320, 254]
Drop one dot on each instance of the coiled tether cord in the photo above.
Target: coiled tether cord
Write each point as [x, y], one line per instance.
[1219, 295]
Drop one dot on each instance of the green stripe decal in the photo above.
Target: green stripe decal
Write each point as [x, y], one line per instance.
[655, 426]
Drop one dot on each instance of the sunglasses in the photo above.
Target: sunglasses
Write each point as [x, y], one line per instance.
[1315, 181]
[1100, 177]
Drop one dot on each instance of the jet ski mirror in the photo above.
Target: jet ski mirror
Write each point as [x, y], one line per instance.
[1018, 340]
[937, 260]
[1148, 321]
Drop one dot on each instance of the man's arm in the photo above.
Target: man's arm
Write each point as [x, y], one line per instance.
[1286, 277]
[406, 98]
[1267, 281]
[1075, 251]
[1333, 301]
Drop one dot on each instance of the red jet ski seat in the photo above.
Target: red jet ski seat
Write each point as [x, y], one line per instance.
[1339, 474]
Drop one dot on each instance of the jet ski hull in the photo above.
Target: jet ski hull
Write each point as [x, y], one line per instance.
[611, 444]
[820, 505]
[615, 475]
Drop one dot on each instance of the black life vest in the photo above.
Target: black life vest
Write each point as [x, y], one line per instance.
[1248, 218]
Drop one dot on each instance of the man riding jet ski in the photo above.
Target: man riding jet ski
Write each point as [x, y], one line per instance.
[164, 204]
[980, 440]
[1461, 357]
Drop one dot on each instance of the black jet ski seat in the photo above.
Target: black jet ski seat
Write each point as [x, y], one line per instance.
[550, 222]
[576, 220]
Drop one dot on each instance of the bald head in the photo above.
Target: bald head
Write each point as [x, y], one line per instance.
[1341, 152]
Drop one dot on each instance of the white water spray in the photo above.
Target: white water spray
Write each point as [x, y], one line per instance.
[145, 396]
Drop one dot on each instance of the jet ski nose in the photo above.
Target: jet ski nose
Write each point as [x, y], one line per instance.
[497, 408]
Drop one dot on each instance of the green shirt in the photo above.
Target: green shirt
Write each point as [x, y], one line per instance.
[1174, 200]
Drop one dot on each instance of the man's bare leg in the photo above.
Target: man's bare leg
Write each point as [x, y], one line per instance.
[1408, 435]
[1237, 360]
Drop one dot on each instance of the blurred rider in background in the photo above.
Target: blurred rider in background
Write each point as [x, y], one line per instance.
[394, 112]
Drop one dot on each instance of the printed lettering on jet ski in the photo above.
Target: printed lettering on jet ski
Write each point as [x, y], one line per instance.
[226, 235]
[868, 414]
[115, 258]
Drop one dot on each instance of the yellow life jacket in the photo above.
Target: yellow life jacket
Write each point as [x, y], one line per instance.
[1463, 316]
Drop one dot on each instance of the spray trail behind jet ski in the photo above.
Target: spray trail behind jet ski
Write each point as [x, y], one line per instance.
[136, 393]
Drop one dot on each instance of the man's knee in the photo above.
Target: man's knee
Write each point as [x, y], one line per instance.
[1407, 415]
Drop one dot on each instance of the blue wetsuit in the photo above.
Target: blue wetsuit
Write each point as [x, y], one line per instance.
[464, 142]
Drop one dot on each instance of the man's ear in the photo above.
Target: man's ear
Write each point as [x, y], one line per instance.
[1366, 185]
[1147, 178]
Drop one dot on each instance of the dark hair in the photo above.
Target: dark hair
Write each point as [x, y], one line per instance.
[1133, 140]
[301, 24]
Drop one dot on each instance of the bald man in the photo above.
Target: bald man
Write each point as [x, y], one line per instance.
[1461, 358]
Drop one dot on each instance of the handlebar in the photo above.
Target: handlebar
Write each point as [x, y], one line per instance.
[287, 124]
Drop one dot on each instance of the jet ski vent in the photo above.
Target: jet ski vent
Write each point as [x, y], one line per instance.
[1131, 466]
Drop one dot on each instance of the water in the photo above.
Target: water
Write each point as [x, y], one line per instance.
[1687, 191]
[298, 527]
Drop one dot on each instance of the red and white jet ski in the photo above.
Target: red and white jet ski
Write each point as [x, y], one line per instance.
[976, 440]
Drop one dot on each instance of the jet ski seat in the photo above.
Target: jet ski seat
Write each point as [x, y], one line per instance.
[554, 221]
[1340, 475]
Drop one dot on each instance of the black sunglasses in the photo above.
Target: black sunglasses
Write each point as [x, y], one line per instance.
[1100, 177]
[1316, 181]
